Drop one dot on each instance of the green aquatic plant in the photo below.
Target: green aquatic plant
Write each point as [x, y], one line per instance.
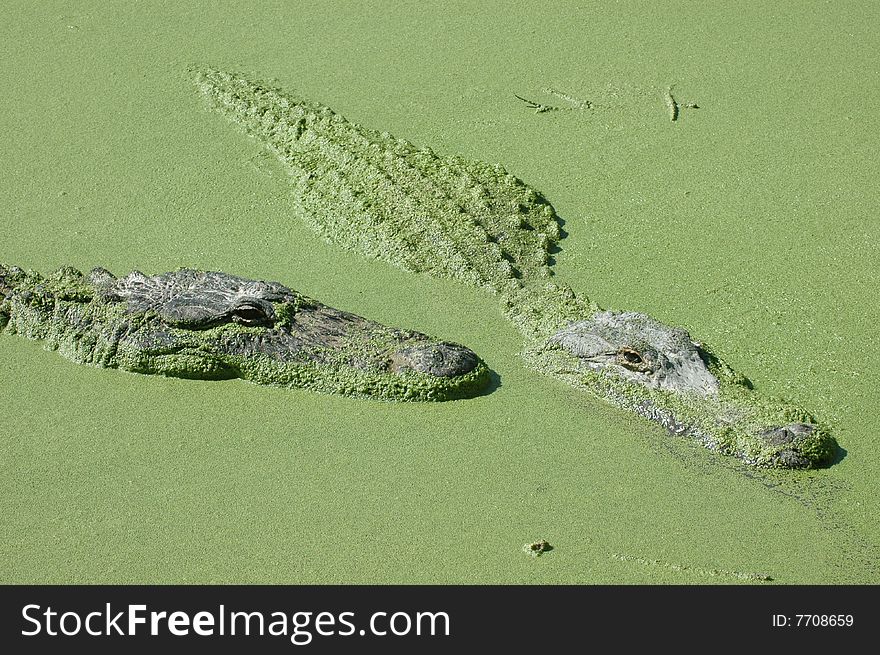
[209, 325]
[449, 217]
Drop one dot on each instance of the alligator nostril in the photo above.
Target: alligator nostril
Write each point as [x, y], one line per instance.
[787, 433]
[440, 359]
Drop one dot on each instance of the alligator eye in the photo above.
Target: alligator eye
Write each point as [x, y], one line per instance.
[249, 315]
[631, 356]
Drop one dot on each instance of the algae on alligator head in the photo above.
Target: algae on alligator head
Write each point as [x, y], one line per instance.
[450, 217]
[209, 325]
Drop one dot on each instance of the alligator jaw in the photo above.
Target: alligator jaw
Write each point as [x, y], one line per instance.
[788, 446]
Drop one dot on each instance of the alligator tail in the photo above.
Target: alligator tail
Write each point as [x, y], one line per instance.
[274, 117]
[369, 192]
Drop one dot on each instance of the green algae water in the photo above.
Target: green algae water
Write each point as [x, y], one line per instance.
[748, 221]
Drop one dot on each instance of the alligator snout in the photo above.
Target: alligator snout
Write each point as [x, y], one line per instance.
[787, 433]
[440, 359]
[796, 441]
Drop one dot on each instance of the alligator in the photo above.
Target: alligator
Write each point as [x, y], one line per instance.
[466, 220]
[211, 325]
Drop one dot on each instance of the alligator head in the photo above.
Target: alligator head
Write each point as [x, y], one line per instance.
[658, 371]
[639, 349]
[209, 325]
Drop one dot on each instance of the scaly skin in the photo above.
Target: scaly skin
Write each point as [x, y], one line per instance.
[207, 325]
[449, 217]
[370, 192]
